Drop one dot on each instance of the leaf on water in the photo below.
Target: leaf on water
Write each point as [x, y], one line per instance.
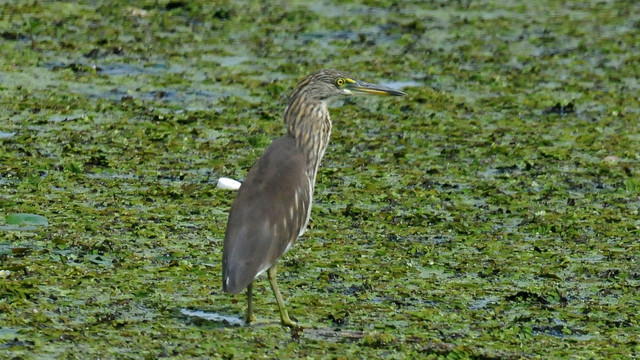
[15, 268]
[26, 219]
[19, 250]
[99, 260]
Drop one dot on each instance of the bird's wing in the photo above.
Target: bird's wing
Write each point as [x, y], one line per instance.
[267, 214]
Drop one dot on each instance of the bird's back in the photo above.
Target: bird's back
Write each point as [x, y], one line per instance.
[267, 214]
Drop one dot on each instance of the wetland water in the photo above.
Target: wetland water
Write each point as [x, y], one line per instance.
[491, 213]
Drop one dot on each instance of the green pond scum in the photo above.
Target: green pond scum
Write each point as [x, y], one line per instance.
[490, 214]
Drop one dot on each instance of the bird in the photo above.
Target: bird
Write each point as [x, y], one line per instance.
[273, 205]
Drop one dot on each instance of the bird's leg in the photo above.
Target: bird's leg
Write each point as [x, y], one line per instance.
[250, 318]
[284, 316]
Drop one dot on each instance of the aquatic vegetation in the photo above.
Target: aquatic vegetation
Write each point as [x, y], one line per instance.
[492, 213]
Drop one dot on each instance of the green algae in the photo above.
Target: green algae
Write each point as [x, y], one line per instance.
[492, 213]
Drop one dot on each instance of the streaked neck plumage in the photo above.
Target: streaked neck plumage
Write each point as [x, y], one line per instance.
[308, 122]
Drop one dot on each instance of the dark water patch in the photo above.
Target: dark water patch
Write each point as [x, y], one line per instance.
[556, 330]
[560, 109]
[585, 186]
[17, 343]
[560, 329]
[14, 36]
[357, 289]
[175, 4]
[74, 66]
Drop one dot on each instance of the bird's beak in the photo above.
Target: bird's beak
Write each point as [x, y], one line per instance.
[367, 88]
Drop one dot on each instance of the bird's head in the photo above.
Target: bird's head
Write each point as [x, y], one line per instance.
[326, 83]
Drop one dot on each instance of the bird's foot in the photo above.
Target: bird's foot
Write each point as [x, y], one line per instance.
[294, 326]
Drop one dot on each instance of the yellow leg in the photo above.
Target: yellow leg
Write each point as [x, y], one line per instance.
[250, 318]
[284, 317]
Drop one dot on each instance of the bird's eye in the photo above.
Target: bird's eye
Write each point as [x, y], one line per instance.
[340, 82]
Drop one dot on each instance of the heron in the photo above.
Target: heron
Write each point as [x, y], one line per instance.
[273, 205]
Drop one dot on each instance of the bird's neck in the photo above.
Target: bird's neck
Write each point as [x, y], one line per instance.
[310, 125]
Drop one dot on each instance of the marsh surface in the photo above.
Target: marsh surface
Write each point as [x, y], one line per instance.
[491, 213]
